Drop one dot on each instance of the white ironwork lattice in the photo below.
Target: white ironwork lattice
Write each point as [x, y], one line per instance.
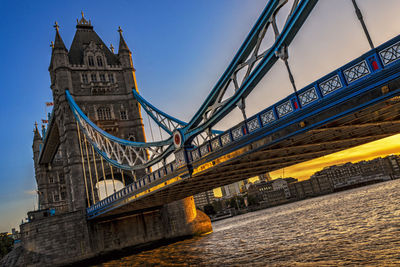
[134, 157]
[195, 154]
[390, 54]
[356, 72]
[330, 85]
[253, 125]
[267, 117]
[225, 139]
[215, 144]
[204, 150]
[308, 96]
[166, 122]
[284, 109]
[237, 133]
[180, 158]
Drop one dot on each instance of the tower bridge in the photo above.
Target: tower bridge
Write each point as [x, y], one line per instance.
[95, 136]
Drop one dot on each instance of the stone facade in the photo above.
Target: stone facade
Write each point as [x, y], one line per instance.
[349, 174]
[68, 238]
[100, 82]
[204, 198]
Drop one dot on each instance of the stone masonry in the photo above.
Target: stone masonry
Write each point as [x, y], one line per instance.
[59, 233]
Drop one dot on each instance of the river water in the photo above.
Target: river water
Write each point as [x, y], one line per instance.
[354, 227]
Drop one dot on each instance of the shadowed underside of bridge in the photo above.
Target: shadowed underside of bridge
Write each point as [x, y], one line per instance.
[353, 105]
[339, 124]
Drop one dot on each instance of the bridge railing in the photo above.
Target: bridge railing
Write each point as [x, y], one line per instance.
[134, 186]
[339, 80]
[346, 78]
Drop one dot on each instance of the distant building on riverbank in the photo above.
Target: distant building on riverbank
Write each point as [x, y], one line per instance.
[328, 180]
[203, 199]
[363, 172]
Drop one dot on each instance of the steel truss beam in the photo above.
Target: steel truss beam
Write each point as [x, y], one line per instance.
[215, 106]
[123, 154]
[168, 123]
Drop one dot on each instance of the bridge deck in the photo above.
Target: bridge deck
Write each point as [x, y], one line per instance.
[363, 109]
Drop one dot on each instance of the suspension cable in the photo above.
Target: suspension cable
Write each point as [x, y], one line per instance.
[112, 176]
[151, 129]
[104, 175]
[284, 55]
[90, 172]
[122, 176]
[97, 174]
[83, 164]
[361, 19]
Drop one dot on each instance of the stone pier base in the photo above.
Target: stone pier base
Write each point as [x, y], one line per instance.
[69, 238]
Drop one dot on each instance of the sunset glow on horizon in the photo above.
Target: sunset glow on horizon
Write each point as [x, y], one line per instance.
[368, 151]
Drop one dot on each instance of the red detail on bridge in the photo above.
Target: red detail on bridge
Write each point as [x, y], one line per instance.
[177, 139]
[296, 106]
[375, 65]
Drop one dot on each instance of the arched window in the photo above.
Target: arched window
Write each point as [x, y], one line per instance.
[99, 62]
[91, 60]
[104, 113]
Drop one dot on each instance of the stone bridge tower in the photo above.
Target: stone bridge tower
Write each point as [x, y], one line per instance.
[100, 82]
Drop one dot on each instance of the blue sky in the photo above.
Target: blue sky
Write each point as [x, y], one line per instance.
[180, 48]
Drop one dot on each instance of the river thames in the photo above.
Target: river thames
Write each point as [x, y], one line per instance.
[355, 227]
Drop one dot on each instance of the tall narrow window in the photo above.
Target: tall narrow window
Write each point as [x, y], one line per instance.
[102, 78]
[85, 78]
[104, 113]
[99, 62]
[61, 178]
[93, 76]
[123, 115]
[111, 77]
[90, 61]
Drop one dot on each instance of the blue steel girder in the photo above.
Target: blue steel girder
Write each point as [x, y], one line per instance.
[168, 123]
[165, 121]
[123, 154]
[215, 108]
[363, 87]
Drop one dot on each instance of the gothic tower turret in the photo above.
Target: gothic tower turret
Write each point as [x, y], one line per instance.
[124, 54]
[37, 143]
[101, 83]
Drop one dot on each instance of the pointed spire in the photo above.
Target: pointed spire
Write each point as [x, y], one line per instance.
[122, 44]
[36, 135]
[83, 23]
[43, 130]
[58, 42]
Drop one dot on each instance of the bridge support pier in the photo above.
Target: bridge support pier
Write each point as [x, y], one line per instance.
[69, 238]
[174, 220]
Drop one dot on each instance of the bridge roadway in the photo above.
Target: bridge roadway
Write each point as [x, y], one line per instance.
[355, 104]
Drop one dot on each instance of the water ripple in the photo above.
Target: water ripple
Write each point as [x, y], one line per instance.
[355, 227]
